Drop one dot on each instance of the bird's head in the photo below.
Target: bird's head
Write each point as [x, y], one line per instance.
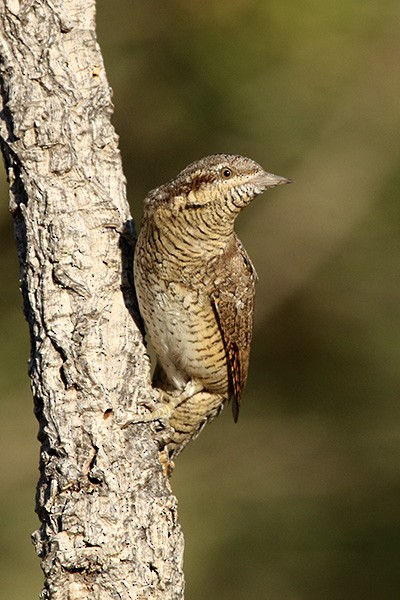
[208, 195]
[227, 181]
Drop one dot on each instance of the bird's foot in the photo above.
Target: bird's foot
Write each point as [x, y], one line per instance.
[167, 464]
[164, 406]
[161, 411]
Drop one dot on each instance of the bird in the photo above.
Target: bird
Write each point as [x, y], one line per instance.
[195, 286]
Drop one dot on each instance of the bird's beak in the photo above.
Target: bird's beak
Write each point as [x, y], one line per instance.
[269, 180]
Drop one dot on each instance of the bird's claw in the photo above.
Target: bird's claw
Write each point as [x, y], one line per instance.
[161, 413]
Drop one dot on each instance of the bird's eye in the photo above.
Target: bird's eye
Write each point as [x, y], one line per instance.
[226, 173]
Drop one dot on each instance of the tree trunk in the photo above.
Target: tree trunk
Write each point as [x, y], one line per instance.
[109, 521]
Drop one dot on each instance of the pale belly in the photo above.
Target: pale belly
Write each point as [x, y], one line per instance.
[183, 330]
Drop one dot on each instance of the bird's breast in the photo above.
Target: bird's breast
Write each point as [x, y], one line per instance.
[184, 333]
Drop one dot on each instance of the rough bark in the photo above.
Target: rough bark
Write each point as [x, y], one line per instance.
[109, 521]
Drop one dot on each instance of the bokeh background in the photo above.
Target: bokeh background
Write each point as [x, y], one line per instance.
[300, 499]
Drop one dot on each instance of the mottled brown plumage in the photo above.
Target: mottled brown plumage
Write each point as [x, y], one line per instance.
[195, 286]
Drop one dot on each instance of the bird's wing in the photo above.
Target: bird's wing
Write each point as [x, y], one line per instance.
[233, 301]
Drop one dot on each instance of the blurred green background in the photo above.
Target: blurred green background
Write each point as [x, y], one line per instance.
[300, 499]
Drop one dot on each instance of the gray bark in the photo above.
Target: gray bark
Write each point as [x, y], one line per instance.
[109, 521]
